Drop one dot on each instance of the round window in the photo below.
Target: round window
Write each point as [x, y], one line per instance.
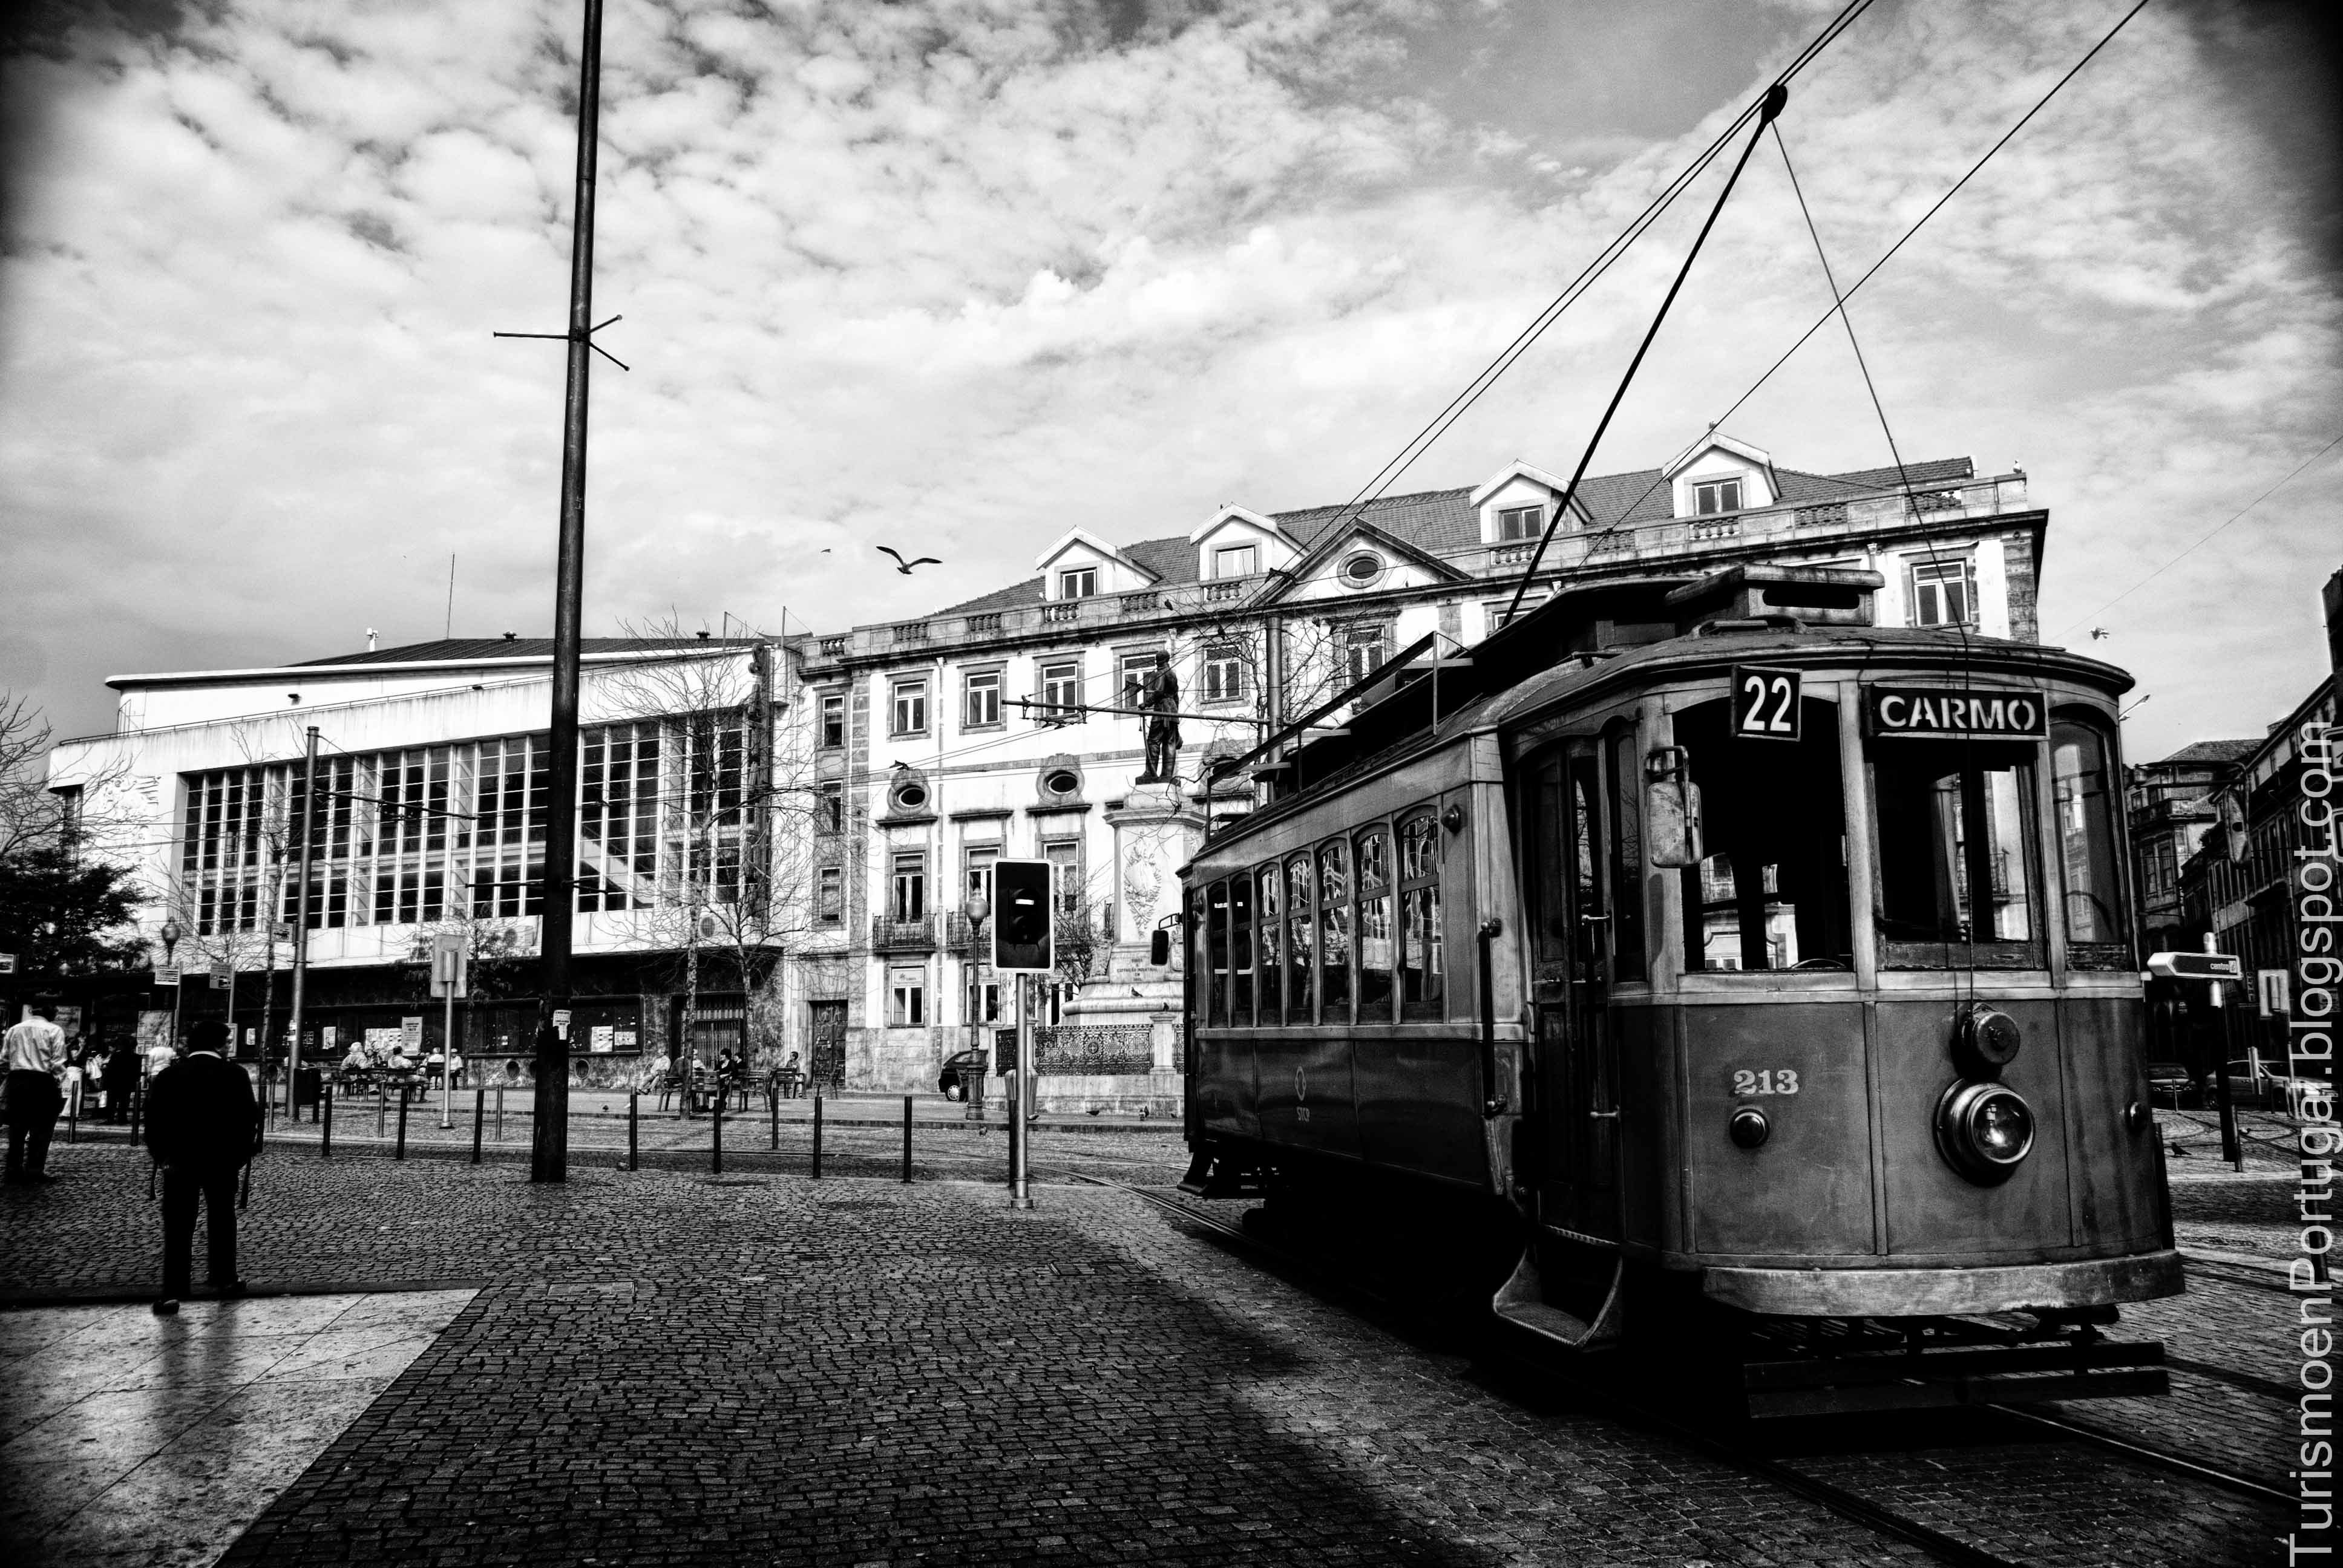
[1363, 568]
[1064, 781]
[912, 797]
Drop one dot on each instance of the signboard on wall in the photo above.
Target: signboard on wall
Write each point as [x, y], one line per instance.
[411, 1029]
[601, 1039]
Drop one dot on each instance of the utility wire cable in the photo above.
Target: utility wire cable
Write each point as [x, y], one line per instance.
[2175, 560]
[1593, 273]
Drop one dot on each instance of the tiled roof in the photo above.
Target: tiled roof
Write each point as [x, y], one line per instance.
[1442, 521]
[465, 649]
[2212, 751]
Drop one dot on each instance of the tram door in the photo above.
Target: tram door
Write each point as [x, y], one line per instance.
[1577, 1100]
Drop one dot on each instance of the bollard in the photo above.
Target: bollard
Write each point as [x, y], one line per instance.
[634, 1118]
[715, 1134]
[500, 1113]
[72, 1117]
[907, 1138]
[479, 1111]
[774, 1100]
[817, 1137]
[400, 1153]
[325, 1127]
[137, 1105]
[381, 1101]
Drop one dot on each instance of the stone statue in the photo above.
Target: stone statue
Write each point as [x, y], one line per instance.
[1159, 694]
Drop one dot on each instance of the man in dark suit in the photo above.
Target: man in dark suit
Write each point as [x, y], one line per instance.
[203, 1125]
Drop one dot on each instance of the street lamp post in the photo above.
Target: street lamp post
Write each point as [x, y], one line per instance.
[171, 933]
[977, 911]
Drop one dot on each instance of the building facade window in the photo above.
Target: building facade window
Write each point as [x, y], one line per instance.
[1943, 593]
[833, 720]
[458, 831]
[1236, 560]
[1223, 673]
[1134, 669]
[1365, 650]
[910, 886]
[1520, 523]
[1065, 858]
[830, 810]
[1062, 690]
[1715, 495]
[1078, 582]
[982, 710]
[907, 998]
[977, 886]
[909, 707]
[829, 898]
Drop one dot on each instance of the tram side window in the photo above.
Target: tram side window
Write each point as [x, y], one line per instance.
[1628, 961]
[1269, 965]
[1216, 948]
[1421, 981]
[1333, 933]
[2085, 789]
[1241, 951]
[1955, 878]
[1772, 892]
[1375, 988]
[1299, 986]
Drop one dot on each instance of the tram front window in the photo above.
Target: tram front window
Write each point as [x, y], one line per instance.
[1773, 893]
[1955, 875]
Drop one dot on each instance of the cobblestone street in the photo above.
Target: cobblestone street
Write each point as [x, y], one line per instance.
[666, 1366]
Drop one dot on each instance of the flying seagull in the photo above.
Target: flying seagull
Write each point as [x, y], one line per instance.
[2099, 633]
[905, 567]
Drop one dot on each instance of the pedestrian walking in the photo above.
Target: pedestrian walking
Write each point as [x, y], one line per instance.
[202, 1126]
[35, 1054]
[121, 1080]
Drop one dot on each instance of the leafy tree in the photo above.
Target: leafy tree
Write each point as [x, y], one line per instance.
[61, 915]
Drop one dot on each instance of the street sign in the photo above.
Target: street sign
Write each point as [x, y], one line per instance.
[2271, 987]
[167, 974]
[1021, 917]
[450, 967]
[411, 1032]
[1764, 703]
[2196, 966]
[7, 963]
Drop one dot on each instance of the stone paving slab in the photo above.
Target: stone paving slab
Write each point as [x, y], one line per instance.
[131, 1439]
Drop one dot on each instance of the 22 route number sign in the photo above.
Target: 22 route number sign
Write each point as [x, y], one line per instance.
[1764, 703]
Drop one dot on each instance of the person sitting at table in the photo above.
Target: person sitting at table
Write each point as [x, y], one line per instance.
[792, 1079]
[434, 1065]
[455, 1068]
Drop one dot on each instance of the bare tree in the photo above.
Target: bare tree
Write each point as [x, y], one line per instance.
[87, 812]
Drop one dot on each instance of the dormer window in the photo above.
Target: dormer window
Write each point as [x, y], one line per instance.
[1520, 523]
[1080, 582]
[1713, 495]
[1236, 560]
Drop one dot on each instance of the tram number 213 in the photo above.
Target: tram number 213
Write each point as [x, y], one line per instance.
[1765, 1080]
[1764, 703]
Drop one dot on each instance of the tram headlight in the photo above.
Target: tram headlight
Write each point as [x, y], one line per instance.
[1748, 1128]
[1983, 1131]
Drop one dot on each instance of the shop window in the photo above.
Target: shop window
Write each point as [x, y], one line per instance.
[1772, 892]
[1423, 981]
[907, 998]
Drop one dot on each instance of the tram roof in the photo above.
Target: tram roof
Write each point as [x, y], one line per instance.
[1641, 632]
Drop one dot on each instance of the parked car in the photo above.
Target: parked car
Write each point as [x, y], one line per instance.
[963, 1075]
[2252, 1082]
[2168, 1083]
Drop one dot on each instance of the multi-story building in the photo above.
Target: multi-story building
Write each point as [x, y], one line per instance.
[2170, 805]
[429, 816]
[1004, 725]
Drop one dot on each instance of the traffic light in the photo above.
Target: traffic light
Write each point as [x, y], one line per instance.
[1020, 915]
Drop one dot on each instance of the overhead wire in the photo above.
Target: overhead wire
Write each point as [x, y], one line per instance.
[1824, 319]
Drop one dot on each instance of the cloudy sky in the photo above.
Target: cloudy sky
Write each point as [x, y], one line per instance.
[958, 275]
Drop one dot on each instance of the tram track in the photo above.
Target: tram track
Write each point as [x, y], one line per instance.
[1848, 1504]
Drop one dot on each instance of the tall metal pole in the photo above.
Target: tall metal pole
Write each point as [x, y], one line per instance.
[1021, 1086]
[548, 1158]
[301, 912]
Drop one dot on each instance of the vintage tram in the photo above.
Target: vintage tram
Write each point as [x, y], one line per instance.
[1721, 961]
